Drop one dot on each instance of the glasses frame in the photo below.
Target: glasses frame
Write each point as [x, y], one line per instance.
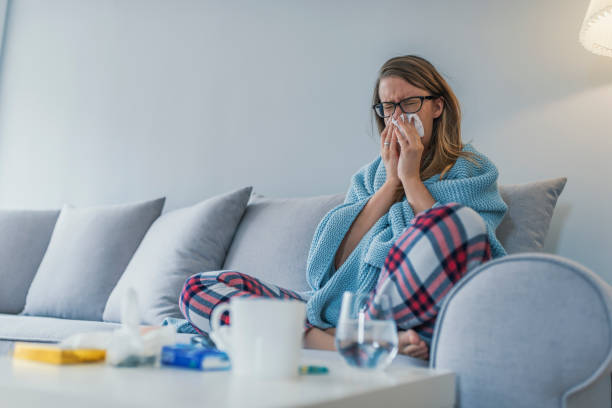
[395, 105]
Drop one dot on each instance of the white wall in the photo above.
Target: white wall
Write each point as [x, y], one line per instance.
[115, 101]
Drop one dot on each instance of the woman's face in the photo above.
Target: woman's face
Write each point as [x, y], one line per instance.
[395, 89]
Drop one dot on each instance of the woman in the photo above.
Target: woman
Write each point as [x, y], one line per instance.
[414, 221]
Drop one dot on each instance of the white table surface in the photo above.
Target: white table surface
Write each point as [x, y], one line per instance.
[402, 384]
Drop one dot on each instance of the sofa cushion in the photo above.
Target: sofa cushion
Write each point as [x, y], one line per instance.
[24, 237]
[52, 329]
[89, 250]
[530, 209]
[46, 329]
[6, 347]
[179, 244]
[274, 237]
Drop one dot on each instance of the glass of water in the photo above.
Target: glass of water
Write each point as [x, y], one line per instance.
[366, 335]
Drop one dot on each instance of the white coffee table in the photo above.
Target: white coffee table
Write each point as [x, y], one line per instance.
[24, 383]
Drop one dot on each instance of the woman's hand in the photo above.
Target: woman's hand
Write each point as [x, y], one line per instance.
[411, 151]
[315, 338]
[411, 344]
[389, 151]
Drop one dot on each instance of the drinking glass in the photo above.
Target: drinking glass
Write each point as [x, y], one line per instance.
[366, 335]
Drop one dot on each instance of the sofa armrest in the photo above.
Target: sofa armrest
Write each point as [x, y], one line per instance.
[527, 330]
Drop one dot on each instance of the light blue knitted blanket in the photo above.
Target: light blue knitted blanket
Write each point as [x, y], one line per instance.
[465, 183]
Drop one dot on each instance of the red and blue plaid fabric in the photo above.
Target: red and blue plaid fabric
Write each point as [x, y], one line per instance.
[439, 247]
[203, 291]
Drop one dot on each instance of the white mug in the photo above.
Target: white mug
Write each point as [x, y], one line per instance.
[264, 338]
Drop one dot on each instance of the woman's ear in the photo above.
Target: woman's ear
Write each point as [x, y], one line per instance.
[438, 107]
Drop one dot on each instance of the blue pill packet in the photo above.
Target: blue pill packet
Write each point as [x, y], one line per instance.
[195, 357]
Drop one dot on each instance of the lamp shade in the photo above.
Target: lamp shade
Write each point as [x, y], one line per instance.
[596, 31]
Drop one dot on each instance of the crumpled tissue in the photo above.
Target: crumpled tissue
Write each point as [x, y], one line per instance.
[129, 345]
[417, 123]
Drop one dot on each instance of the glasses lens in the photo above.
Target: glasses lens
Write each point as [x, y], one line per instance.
[380, 111]
[410, 105]
[388, 109]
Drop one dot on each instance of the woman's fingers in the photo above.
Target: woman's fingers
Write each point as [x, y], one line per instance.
[414, 347]
[384, 152]
[387, 142]
[415, 351]
[411, 344]
[383, 135]
[423, 354]
[410, 349]
[393, 147]
[403, 142]
[411, 131]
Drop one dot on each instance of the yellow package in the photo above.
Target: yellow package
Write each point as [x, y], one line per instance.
[49, 353]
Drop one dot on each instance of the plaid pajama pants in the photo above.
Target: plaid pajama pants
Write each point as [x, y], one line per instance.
[439, 247]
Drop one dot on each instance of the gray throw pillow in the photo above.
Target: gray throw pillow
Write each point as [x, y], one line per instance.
[179, 244]
[89, 250]
[274, 237]
[530, 208]
[24, 237]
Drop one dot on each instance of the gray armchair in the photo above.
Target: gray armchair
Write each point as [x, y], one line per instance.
[527, 330]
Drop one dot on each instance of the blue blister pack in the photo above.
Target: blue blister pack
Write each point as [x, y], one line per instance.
[195, 357]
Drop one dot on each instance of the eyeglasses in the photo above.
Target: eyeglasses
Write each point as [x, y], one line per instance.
[408, 105]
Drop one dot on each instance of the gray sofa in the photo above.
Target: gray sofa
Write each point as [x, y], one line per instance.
[269, 238]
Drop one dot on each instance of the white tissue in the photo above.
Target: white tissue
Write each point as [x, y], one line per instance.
[126, 342]
[417, 123]
[127, 345]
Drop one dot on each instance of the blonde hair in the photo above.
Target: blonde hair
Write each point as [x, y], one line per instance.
[445, 145]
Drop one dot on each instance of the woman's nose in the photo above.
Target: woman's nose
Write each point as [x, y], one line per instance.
[397, 113]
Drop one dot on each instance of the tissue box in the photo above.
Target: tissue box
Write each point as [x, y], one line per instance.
[52, 354]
